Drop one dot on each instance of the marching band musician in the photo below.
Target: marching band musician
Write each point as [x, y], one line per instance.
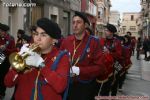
[113, 44]
[41, 81]
[105, 81]
[85, 59]
[7, 46]
[127, 53]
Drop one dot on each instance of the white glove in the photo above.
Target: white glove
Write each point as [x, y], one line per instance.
[105, 49]
[24, 49]
[35, 60]
[74, 70]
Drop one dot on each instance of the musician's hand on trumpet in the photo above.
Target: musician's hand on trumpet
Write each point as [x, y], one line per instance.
[35, 60]
[24, 49]
[26, 58]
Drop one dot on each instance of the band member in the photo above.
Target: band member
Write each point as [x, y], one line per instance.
[126, 62]
[85, 59]
[7, 46]
[133, 41]
[47, 75]
[113, 44]
[105, 81]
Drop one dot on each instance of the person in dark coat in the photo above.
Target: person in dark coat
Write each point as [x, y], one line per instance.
[145, 47]
[138, 48]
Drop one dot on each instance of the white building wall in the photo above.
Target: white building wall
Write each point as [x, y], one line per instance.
[115, 19]
[127, 23]
[14, 16]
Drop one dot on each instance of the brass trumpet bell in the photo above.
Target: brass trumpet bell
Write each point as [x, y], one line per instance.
[17, 61]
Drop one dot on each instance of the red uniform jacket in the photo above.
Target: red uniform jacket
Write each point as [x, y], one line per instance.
[127, 56]
[115, 48]
[114, 45]
[92, 65]
[108, 59]
[9, 43]
[56, 81]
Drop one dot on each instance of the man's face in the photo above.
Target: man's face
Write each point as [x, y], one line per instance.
[78, 25]
[108, 33]
[42, 39]
[2, 33]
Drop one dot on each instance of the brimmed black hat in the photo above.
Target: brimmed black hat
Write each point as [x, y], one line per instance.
[50, 27]
[26, 37]
[4, 27]
[83, 16]
[20, 31]
[111, 28]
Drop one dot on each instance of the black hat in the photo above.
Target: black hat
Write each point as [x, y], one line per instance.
[111, 28]
[83, 16]
[20, 31]
[26, 37]
[50, 27]
[4, 27]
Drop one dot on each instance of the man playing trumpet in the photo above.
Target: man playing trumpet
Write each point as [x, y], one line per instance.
[41, 81]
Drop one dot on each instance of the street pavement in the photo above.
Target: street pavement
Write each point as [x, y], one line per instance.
[137, 82]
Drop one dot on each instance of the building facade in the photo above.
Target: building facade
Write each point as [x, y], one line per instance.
[12, 16]
[90, 8]
[145, 18]
[20, 17]
[103, 15]
[129, 23]
[115, 19]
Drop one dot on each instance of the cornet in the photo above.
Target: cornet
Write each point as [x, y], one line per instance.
[17, 61]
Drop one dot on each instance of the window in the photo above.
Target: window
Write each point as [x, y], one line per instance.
[132, 17]
[132, 28]
[124, 27]
[99, 13]
[54, 18]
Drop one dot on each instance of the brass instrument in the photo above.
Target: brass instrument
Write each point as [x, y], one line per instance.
[2, 57]
[17, 61]
[2, 49]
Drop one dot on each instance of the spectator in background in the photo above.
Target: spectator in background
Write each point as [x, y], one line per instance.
[19, 42]
[22, 38]
[138, 48]
[145, 47]
[133, 42]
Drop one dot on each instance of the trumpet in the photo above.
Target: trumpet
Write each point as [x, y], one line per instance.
[17, 61]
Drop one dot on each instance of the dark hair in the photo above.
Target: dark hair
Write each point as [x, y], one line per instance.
[32, 28]
[83, 16]
[128, 39]
[129, 33]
